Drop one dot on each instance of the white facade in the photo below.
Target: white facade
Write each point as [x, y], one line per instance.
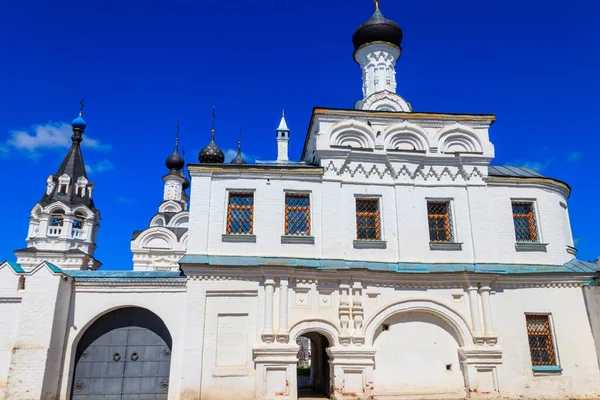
[391, 245]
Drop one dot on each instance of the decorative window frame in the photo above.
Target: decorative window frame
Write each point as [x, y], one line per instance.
[297, 239]
[545, 369]
[454, 244]
[364, 243]
[239, 237]
[539, 245]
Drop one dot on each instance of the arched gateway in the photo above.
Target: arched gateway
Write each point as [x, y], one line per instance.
[125, 354]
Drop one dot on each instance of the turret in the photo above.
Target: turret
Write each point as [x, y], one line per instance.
[63, 225]
[283, 138]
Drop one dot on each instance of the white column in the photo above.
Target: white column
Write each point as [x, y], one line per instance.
[67, 227]
[283, 304]
[487, 310]
[268, 335]
[475, 312]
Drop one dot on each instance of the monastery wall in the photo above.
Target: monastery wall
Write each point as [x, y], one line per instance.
[10, 305]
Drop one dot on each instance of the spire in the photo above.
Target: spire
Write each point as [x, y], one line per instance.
[175, 162]
[63, 185]
[239, 158]
[282, 124]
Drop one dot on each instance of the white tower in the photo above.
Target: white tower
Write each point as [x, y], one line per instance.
[161, 245]
[63, 225]
[283, 138]
[377, 49]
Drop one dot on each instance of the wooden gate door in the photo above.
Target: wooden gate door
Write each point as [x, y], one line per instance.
[124, 355]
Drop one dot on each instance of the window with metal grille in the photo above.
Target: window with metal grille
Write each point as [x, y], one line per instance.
[367, 219]
[524, 220]
[240, 213]
[440, 223]
[540, 340]
[297, 214]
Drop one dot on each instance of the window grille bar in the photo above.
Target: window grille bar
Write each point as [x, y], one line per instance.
[240, 214]
[297, 214]
[541, 345]
[440, 223]
[367, 219]
[524, 221]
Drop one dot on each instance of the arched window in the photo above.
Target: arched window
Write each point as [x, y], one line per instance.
[77, 225]
[57, 218]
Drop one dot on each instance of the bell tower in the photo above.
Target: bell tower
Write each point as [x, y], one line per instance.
[63, 225]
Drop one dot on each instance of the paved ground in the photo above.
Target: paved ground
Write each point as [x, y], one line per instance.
[308, 394]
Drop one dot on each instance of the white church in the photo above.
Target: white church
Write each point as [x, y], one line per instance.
[415, 269]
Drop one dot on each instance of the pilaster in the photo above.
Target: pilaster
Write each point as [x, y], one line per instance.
[268, 335]
[283, 332]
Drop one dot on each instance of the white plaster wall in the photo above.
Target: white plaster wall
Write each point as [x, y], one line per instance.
[35, 355]
[10, 305]
[573, 338]
[552, 219]
[9, 318]
[481, 215]
[412, 357]
[269, 217]
[592, 301]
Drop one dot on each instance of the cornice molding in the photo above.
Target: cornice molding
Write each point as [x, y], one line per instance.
[386, 116]
[227, 171]
[546, 183]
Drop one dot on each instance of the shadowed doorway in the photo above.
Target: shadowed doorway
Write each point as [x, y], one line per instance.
[313, 366]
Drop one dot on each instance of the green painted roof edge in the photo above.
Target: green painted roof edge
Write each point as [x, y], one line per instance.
[573, 266]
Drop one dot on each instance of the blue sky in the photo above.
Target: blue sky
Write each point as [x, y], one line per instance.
[143, 65]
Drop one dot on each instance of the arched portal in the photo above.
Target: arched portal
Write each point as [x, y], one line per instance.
[125, 354]
[314, 371]
[417, 355]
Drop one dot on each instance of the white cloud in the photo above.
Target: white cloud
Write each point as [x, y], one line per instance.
[50, 136]
[101, 166]
[574, 156]
[538, 166]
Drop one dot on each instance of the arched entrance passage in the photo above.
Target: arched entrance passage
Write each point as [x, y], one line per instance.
[125, 354]
[314, 371]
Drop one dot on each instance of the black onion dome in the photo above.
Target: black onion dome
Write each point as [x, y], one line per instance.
[239, 159]
[377, 29]
[186, 182]
[211, 154]
[175, 161]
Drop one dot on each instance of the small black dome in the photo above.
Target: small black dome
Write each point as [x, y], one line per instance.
[211, 154]
[175, 161]
[377, 29]
[186, 181]
[239, 159]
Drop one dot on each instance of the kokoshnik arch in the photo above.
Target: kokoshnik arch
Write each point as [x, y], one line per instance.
[412, 266]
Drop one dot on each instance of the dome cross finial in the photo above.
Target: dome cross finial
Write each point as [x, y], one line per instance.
[81, 107]
[177, 136]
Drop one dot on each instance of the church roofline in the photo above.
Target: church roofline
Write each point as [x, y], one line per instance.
[351, 112]
[283, 168]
